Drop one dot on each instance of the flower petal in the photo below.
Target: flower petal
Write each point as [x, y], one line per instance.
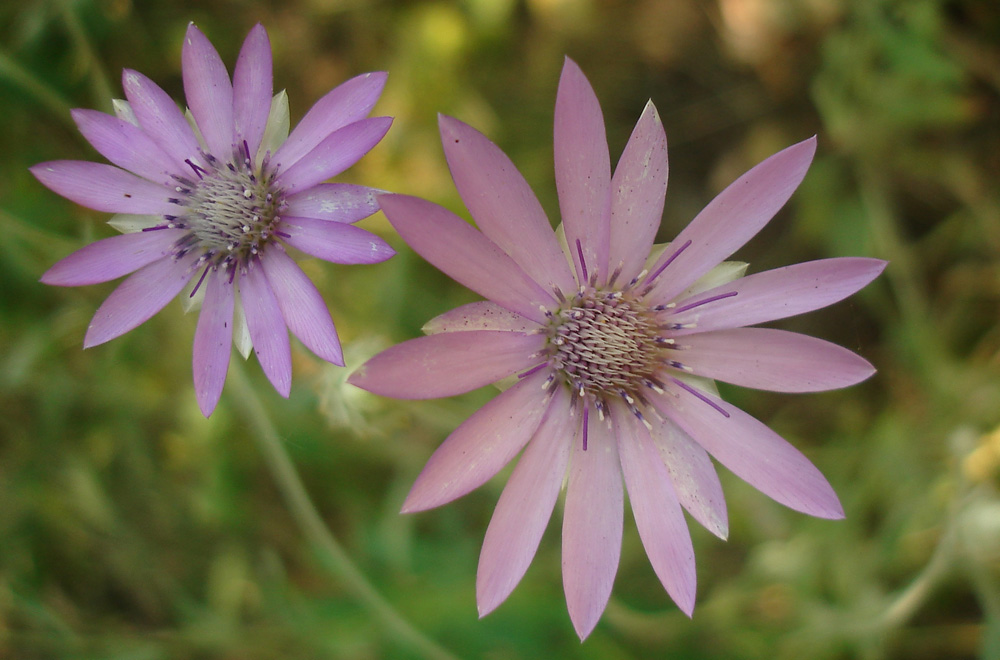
[638, 188]
[208, 91]
[104, 187]
[343, 105]
[479, 315]
[252, 88]
[503, 205]
[583, 172]
[126, 145]
[592, 527]
[302, 306]
[333, 155]
[447, 364]
[775, 360]
[111, 258]
[731, 219]
[335, 241]
[525, 507]
[658, 515]
[751, 450]
[139, 297]
[692, 474]
[268, 332]
[776, 294]
[480, 446]
[212, 339]
[464, 254]
[336, 202]
[160, 117]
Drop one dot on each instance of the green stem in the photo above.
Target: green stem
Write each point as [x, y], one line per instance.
[100, 85]
[315, 530]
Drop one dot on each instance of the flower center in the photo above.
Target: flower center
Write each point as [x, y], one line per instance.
[605, 344]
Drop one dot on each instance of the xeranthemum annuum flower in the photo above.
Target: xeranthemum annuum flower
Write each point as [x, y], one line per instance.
[614, 353]
[208, 200]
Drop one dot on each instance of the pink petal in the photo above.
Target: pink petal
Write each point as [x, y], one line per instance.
[335, 154]
[212, 338]
[777, 294]
[752, 451]
[638, 188]
[464, 254]
[480, 315]
[774, 360]
[583, 172]
[302, 306]
[139, 297]
[447, 364]
[657, 512]
[480, 446]
[337, 202]
[335, 241]
[503, 205]
[111, 258]
[104, 187]
[692, 474]
[732, 219]
[252, 89]
[208, 91]
[525, 507]
[345, 104]
[268, 332]
[160, 117]
[592, 527]
[127, 146]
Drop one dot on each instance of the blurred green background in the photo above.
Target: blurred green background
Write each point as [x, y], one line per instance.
[131, 528]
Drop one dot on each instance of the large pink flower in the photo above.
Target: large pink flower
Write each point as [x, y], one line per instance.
[208, 202]
[613, 352]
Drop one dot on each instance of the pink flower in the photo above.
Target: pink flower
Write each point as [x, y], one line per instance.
[209, 200]
[613, 353]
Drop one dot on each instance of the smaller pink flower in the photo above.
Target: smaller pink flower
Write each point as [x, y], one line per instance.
[614, 352]
[209, 202]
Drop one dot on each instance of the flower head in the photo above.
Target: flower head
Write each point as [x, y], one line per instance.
[613, 352]
[209, 201]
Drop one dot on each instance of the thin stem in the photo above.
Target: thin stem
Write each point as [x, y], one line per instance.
[312, 525]
[100, 85]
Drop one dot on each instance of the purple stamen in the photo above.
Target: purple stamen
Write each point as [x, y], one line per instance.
[156, 228]
[701, 396]
[586, 417]
[721, 296]
[583, 263]
[656, 273]
[282, 234]
[202, 279]
[533, 370]
[197, 169]
[246, 150]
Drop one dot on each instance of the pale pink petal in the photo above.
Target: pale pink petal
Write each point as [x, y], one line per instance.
[268, 332]
[208, 91]
[525, 506]
[334, 154]
[104, 187]
[480, 446]
[751, 450]
[592, 526]
[111, 258]
[447, 364]
[335, 241]
[479, 315]
[464, 254]
[160, 117]
[692, 474]
[775, 294]
[731, 219]
[775, 360]
[302, 306]
[503, 205]
[139, 297]
[658, 514]
[126, 145]
[638, 188]
[212, 338]
[343, 105]
[252, 88]
[337, 202]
